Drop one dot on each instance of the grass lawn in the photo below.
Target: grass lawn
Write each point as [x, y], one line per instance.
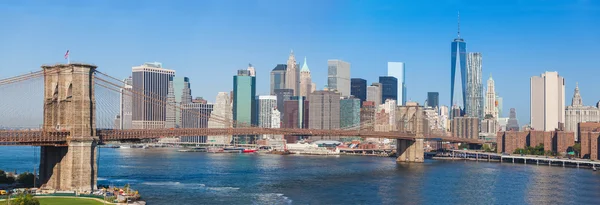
[68, 201]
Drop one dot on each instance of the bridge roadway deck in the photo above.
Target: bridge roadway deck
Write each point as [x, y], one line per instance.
[33, 137]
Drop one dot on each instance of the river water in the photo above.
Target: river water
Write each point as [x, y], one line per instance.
[165, 176]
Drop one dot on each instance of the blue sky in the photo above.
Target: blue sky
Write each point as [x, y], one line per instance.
[209, 40]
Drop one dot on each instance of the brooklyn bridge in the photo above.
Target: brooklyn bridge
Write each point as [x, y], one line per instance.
[68, 109]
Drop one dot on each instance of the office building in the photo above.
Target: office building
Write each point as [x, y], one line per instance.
[221, 117]
[465, 127]
[458, 69]
[499, 106]
[367, 115]
[338, 76]
[126, 105]
[350, 113]
[282, 96]
[195, 115]
[244, 100]
[444, 118]
[433, 99]
[513, 123]
[490, 99]
[547, 104]
[397, 70]
[292, 74]
[386, 116]
[577, 113]
[305, 80]
[296, 116]
[389, 88]
[474, 89]
[179, 94]
[278, 77]
[266, 105]
[374, 93]
[153, 80]
[358, 89]
[324, 112]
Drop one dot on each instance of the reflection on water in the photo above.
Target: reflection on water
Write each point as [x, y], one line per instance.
[162, 175]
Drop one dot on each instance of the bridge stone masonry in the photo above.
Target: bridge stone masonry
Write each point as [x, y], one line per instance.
[69, 104]
[69, 135]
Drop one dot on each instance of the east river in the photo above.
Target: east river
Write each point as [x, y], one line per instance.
[165, 176]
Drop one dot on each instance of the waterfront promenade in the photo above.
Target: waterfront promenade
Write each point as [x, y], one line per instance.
[524, 159]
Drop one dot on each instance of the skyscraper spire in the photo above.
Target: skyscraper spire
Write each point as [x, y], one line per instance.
[577, 97]
[458, 24]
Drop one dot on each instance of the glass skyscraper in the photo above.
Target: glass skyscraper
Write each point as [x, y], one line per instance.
[433, 99]
[474, 94]
[358, 88]
[389, 89]
[458, 70]
[244, 103]
[278, 78]
[398, 70]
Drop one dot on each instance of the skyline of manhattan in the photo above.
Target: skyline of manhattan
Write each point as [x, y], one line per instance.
[368, 39]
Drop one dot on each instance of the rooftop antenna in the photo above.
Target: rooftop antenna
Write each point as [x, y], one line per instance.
[458, 24]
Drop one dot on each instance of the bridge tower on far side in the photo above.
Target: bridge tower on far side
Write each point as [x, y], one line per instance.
[70, 105]
[411, 121]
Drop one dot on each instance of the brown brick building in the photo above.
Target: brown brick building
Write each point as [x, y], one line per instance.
[589, 137]
[555, 141]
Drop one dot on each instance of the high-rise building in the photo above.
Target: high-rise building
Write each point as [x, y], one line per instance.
[195, 115]
[350, 113]
[251, 70]
[266, 105]
[577, 113]
[374, 93]
[358, 88]
[499, 105]
[338, 76]
[292, 76]
[179, 94]
[474, 104]
[244, 103]
[547, 104]
[126, 106]
[433, 99]
[458, 70]
[221, 117]
[296, 115]
[282, 96]
[367, 115]
[445, 123]
[278, 78]
[513, 123]
[153, 80]
[490, 99]
[324, 112]
[389, 88]
[389, 123]
[305, 80]
[397, 70]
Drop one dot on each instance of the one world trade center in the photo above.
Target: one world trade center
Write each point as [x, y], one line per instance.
[458, 71]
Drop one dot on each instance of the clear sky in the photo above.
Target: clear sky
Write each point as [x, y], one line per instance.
[209, 40]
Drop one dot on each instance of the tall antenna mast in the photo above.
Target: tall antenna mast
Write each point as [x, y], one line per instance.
[458, 24]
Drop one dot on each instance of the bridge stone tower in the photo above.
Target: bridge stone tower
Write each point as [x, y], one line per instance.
[70, 105]
[412, 122]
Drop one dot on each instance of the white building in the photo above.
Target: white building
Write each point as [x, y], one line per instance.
[374, 92]
[490, 99]
[547, 104]
[221, 117]
[266, 104]
[577, 113]
[444, 122]
[150, 78]
[338, 76]
[126, 105]
[397, 70]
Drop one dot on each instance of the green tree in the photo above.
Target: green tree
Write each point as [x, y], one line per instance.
[25, 199]
[26, 179]
[463, 146]
[5, 179]
[577, 148]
